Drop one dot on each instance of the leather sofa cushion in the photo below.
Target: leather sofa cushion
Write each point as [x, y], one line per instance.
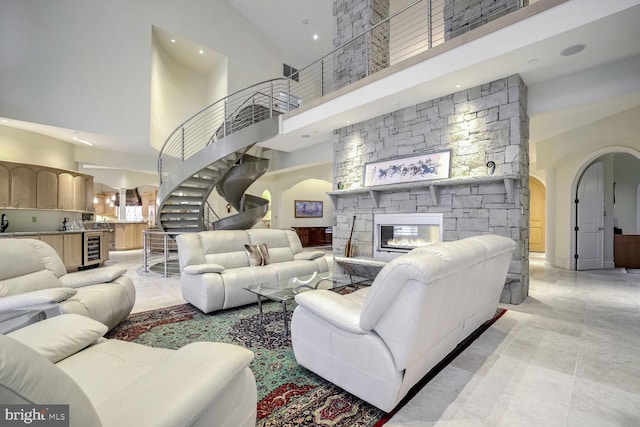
[92, 277]
[73, 333]
[34, 281]
[203, 268]
[26, 377]
[42, 296]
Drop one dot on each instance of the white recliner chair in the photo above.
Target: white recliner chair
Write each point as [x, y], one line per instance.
[110, 383]
[32, 274]
[378, 342]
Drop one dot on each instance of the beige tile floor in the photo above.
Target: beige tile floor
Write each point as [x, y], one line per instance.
[568, 356]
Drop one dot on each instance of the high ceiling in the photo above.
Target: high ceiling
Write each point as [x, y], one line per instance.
[291, 25]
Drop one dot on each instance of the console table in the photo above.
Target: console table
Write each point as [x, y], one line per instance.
[361, 266]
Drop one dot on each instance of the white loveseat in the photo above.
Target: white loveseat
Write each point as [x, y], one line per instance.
[215, 265]
[111, 383]
[378, 342]
[32, 274]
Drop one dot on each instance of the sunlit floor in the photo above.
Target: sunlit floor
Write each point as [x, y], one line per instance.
[567, 356]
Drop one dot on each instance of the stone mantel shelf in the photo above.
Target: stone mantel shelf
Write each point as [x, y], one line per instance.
[431, 185]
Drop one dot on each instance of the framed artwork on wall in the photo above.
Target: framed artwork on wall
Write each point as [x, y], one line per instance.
[308, 208]
[436, 165]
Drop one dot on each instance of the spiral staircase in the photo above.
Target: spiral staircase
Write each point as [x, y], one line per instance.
[216, 149]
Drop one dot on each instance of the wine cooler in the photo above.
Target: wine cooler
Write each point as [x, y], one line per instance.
[92, 245]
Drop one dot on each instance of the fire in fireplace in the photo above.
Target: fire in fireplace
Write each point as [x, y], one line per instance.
[395, 234]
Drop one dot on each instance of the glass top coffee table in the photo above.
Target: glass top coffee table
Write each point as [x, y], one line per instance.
[303, 284]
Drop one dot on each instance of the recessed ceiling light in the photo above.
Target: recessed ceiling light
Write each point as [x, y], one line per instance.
[305, 21]
[572, 50]
[173, 40]
[201, 52]
[458, 86]
[315, 37]
[75, 138]
[348, 121]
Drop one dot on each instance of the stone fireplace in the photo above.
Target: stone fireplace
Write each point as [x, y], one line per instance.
[396, 234]
[482, 126]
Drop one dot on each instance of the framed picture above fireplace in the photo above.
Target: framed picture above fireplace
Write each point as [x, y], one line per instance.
[308, 209]
[436, 165]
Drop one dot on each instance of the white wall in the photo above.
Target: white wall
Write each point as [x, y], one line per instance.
[566, 156]
[87, 65]
[20, 146]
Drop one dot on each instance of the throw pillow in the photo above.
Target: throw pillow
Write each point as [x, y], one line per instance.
[264, 251]
[254, 255]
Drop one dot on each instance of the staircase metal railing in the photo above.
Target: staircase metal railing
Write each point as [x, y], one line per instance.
[209, 215]
[413, 29]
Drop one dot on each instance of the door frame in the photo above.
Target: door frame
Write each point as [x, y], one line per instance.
[577, 174]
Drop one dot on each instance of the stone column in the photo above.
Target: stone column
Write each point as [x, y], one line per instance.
[363, 55]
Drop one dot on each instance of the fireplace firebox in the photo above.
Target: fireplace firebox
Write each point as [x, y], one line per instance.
[395, 234]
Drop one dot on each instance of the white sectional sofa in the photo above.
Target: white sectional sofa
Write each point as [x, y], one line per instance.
[379, 341]
[32, 274]
[215, 266]
[112, 383]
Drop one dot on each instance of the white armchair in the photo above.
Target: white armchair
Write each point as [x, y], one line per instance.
[112, 383]
[32, 274]
[378, 342]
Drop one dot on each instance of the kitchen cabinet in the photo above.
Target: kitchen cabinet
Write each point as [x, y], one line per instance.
[109, 210]
[88, 194]
[99, 206]
[129, 235]
[4, 186]
[78, 193]
[104, 250]
[23, 187]
[65, 191]
[46, 190]
[72, 253]
[56, 241]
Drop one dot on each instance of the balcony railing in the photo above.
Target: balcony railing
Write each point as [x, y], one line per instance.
[417, 27]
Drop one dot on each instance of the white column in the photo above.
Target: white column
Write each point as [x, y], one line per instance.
[122, 209]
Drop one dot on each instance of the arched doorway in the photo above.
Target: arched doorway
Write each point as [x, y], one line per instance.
[537, 212]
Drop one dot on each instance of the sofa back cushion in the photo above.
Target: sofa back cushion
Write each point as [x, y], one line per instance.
[420, 302]
[282, 244]
[29, 378]
[27, 265]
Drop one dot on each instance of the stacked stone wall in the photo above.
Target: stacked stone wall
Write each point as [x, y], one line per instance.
[461, 16]
[479, 124]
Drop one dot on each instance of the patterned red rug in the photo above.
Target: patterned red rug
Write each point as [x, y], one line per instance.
[288, 395]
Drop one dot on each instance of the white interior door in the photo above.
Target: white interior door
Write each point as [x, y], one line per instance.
[590, 218]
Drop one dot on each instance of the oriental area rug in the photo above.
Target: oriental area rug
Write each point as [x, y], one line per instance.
[288, 395]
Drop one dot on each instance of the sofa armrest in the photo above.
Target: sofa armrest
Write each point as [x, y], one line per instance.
[178, 390]
[33, 298]
[308, 255]
[82, 278]
[333, 308]
[203, 268]
[61, 336]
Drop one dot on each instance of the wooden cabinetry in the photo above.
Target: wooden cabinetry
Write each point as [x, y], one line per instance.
[104, 250]
[46, 190]
[4, 187]
[99, 206]
[23, 187]
[129, 235]
[314, 236]
[72, 254]
[56, 241]
[626, 250]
